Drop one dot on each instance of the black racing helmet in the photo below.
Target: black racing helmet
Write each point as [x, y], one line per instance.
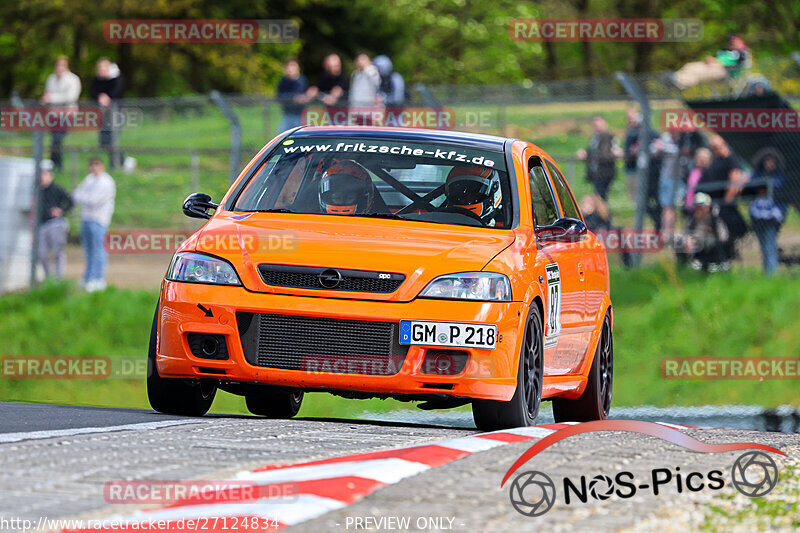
[475, 189]
[346, 188]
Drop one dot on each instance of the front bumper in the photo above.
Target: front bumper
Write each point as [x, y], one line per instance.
[488, 374]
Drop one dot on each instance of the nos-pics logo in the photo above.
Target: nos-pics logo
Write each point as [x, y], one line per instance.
[533, 493]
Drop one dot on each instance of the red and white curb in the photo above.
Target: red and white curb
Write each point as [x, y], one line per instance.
[317, 487]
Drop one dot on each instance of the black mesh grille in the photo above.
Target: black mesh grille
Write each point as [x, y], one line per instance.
[309, 278]
[315, 344]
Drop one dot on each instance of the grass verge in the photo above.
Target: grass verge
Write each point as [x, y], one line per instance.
[658, 312]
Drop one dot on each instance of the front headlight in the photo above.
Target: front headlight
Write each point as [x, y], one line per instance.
[470, 286]
[201, 268]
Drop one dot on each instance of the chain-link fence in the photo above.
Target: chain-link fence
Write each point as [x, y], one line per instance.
[162, 149]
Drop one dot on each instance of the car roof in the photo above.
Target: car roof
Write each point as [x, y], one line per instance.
[472, 140]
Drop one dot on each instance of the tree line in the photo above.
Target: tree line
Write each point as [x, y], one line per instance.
[430, 41]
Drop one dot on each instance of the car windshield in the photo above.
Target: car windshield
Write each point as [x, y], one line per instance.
[439, 183]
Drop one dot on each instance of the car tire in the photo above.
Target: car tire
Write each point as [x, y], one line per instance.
[595, 402]
[176, 396]
[274, 404]
[523, 408]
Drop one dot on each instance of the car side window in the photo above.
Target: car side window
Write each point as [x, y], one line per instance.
[564, 196]
[545, 211]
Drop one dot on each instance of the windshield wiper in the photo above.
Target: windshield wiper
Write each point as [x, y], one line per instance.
[274, 211]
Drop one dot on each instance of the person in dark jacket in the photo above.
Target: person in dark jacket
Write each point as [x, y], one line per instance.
[631, 152]
[54, 203]
[332, 85]
[767, 213]
[292, 96]
[106, 88]
[601, 157]
[724, 181]
[393, 86]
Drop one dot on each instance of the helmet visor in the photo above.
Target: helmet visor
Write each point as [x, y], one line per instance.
[468, 190]
[343, 190]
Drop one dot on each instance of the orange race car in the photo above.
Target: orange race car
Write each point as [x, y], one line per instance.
[445, 267]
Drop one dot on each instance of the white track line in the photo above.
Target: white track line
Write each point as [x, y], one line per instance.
[469, 444]
[49, 434]
[528, 432]
[390, 470]
[292, 510]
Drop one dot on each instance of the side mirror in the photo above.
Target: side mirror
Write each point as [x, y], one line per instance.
[562, 230]
[197, 205]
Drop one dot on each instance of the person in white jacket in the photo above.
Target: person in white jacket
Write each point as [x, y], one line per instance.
[62, 89]
[95, 195]
[364, 87]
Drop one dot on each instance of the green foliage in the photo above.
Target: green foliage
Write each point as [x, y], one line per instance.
[431, 41]
[663, 312]
[658, 312]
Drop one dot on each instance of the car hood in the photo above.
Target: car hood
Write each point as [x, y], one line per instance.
[420, 251]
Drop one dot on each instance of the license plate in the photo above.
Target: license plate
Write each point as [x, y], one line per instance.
[458, 334]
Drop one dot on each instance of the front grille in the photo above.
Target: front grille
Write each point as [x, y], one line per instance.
[314, 344]
[332, 279]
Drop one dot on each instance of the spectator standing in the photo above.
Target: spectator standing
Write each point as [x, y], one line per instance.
[631, 152]
[62, 89]
[392, 90]
[364, 86]
[601, 157]
[669, 180]
[653, 177]
[723, 182]
[54, 203]
[292, 95]
[333, 84]
[106, 89]
[702, 161]
[95, 195]
[766, 214]
[689, 143]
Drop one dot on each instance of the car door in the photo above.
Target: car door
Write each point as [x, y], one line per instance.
[564, 308]
[584, 257]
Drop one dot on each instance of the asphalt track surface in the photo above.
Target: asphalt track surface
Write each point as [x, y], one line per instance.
[56, 460]
[27, 417]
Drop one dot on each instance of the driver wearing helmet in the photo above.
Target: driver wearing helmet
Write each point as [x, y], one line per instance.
[346, 188]
[476, 189]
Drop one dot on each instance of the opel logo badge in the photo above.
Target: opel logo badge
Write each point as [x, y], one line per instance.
[330, 278]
